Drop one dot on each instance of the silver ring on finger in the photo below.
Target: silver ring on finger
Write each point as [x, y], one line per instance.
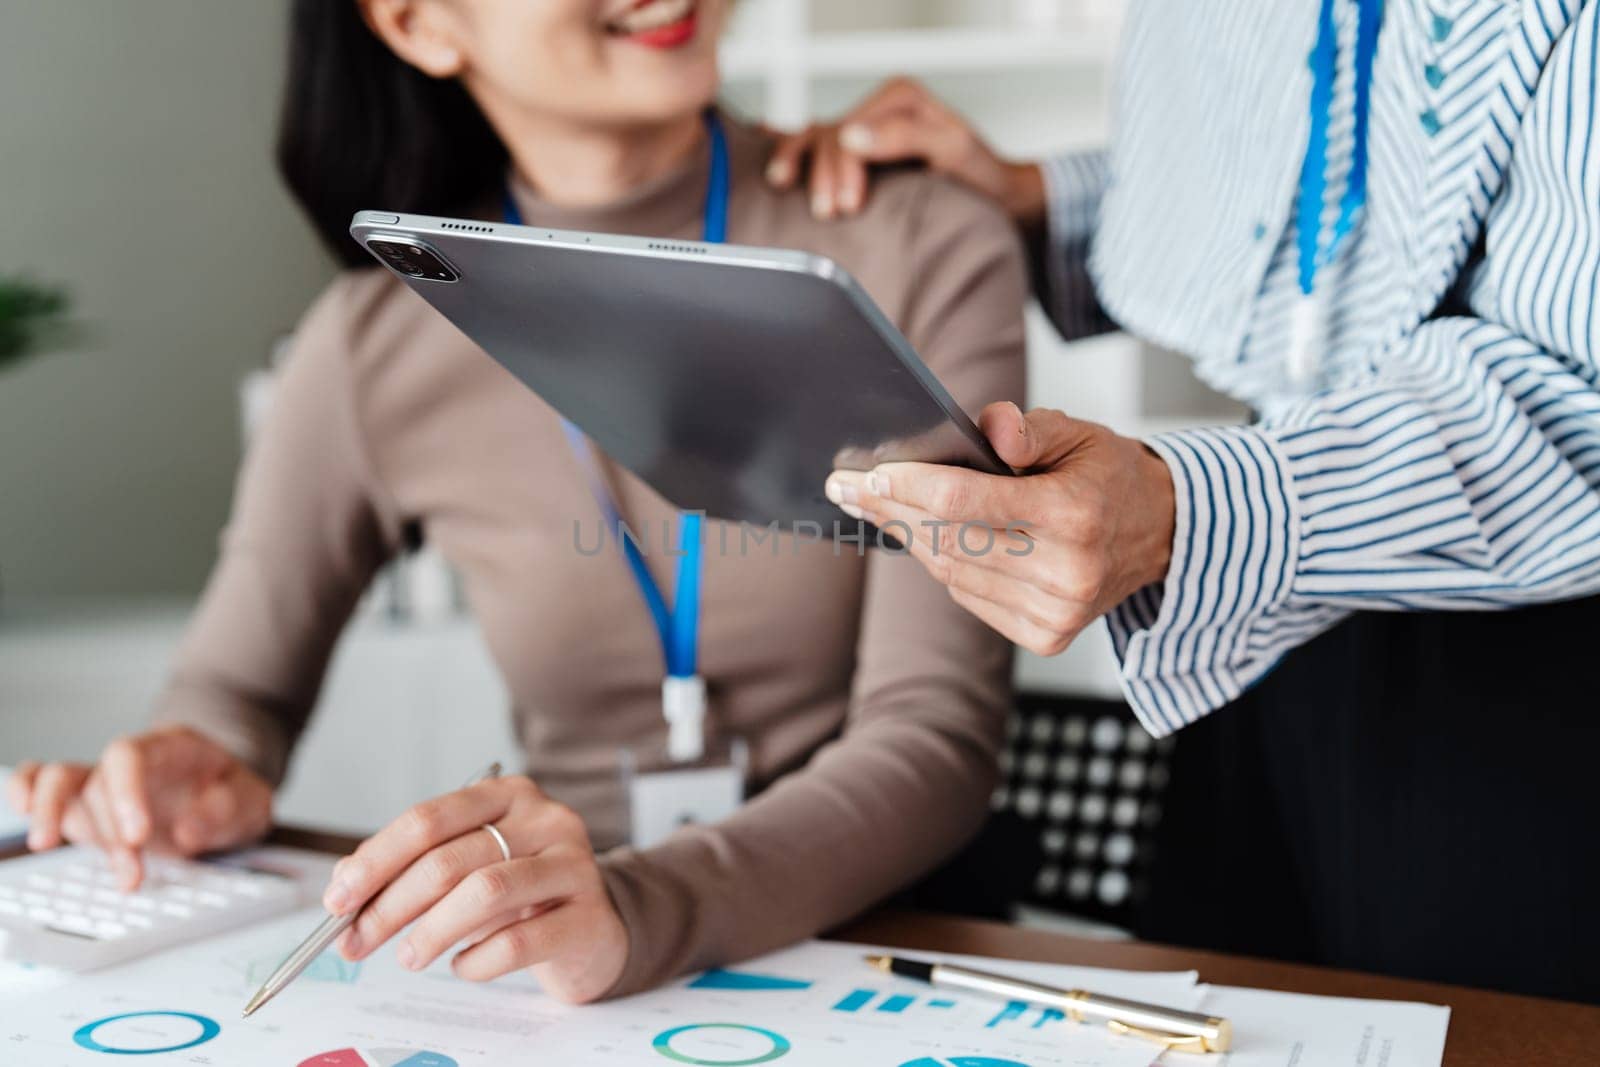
[499, 839]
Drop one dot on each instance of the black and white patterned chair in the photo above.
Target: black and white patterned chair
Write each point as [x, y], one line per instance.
[1073, 817]
[1086, 778]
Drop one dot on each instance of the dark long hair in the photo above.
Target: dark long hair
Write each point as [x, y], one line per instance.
[363, 129]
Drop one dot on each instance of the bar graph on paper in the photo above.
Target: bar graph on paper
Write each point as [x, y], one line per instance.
[864, 999]
[889, 1003]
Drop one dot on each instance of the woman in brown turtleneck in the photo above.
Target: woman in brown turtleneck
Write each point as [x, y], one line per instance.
[872, 705]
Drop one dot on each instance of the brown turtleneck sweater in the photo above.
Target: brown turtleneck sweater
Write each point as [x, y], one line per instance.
[871, 704]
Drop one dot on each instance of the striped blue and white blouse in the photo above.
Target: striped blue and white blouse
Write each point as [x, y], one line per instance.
[1449, 456]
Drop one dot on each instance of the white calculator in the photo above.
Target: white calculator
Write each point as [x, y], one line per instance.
[63, 909]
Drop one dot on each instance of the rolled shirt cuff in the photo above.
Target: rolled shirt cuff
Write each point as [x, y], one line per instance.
[1196, 640]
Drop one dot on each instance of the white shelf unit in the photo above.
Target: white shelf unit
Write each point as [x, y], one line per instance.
[928, 50]
[787, 45]
[787, 70]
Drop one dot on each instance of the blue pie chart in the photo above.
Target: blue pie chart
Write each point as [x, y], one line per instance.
[146, 1033]
[963, 1061]
[721, 1045]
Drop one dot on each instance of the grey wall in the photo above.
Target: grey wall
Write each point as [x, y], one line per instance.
[135, 166]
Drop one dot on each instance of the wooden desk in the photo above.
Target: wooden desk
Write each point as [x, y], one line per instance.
[1486, 1029]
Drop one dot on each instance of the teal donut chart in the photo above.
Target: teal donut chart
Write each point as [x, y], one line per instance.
[663, 1045]
[84, 1036]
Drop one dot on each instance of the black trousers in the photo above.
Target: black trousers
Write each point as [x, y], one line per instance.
[1415, 795]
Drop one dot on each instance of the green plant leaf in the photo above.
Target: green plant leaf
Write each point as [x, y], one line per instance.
[27, 310]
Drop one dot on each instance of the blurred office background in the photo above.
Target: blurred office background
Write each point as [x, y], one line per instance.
[135, 165]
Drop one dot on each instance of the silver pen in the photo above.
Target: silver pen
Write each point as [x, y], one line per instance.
[326, 933]
[1180, 1031]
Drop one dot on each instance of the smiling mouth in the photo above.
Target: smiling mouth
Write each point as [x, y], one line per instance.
[651, 18]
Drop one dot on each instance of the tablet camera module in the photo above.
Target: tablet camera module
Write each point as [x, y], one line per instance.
[416, 261]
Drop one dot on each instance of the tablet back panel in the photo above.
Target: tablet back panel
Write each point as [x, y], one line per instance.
[730, 379]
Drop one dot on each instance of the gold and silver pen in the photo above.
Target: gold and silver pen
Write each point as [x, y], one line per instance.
[1181, 1031]
[326, 933]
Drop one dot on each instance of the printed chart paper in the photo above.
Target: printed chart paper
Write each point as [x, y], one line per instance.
[1289, 1030]
[816, 1005]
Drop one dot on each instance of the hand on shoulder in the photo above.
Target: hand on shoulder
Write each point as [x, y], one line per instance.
[900, 121]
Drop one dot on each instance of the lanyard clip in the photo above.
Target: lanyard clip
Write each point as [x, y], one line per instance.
[1308, 337]
[683, 700]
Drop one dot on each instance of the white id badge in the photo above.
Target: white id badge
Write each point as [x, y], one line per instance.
[673, 795]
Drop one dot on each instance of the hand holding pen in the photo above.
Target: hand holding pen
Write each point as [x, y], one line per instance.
[496, 863]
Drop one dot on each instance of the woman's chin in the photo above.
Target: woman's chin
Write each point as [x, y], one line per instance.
[661, 100]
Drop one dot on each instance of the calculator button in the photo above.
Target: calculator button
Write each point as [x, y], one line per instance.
[8, 892]
[215, 900]
[179, 910]
[41, 915]
[141, 921]
[141, 902]
[78, 924]
[10, 907]
[110, 930]
[39, 881]
[107, 896]
[102, 913]
[36, 899]
[67, 904]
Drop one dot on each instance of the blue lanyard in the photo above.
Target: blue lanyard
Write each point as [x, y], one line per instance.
[1314, 171]
[678, 627]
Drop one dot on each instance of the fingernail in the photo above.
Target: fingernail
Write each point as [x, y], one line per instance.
[1022, 420]
[36, 839]
[849, 199]
[856, 138]
[821, 206]
[777, 172]
[878, 483]
[852, 511]
[132, 820]
[840, 491]
[337, 898]
[407, 956]
[352, 943]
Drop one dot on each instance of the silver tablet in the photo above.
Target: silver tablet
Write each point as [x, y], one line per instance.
[731, 379]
